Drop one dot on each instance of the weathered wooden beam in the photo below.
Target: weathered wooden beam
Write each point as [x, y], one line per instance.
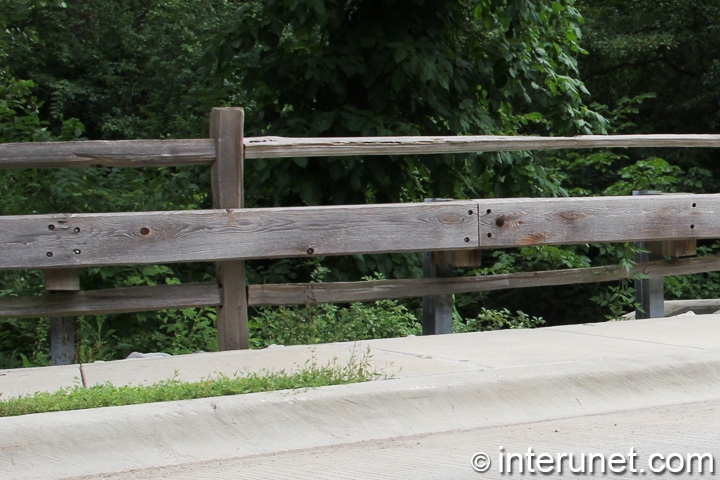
[161, 297]
[62, 327]
[100, 153]
[156, 153]
[555, 221]
[280, 147]
[457, 258]
[115, 300]
[226, 127]
[348, 292]
[63, 240]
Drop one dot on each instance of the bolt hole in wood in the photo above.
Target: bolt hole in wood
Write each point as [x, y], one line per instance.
[310, 251]
[692, 227]
[489, 211]
[467, 239]
[694, 205]
[470, 212]
[77, 251]
[49, 254]
[76, 229]
[144, 231]
[489, 235]
[51, 227]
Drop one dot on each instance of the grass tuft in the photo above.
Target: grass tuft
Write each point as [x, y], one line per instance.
[309, 375]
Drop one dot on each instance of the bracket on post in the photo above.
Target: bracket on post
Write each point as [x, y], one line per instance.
[649, 292]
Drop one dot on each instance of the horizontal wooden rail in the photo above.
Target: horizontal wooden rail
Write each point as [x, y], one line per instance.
[348, 292]
[161, 297]
[63, 240]
[115, 300]
[57, 240]
[118, 153]
[564, 221]
[165, 153]
[279, 147]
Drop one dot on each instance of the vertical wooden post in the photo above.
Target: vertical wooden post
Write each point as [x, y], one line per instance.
[62, 329]
[226, 127]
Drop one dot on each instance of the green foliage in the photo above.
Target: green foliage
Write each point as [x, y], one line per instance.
[666, 52]
[20, 119]
[665, 47]
[358, 368]
[488, 320]
[323, 323]
[703, 285]
[432, 67]
[619, 299]
[126, 68]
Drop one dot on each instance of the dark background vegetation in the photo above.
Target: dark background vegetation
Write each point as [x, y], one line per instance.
[126, 69]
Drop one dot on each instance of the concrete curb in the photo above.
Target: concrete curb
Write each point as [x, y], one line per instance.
[67, 444]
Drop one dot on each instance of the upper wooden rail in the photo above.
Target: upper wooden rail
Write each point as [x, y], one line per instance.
[280, 147]
[158, 153]
[120, 153]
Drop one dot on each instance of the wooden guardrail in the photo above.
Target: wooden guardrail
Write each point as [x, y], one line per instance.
[230, 234]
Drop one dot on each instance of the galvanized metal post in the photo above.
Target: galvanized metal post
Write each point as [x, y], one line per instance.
[437, 309]
[649, 292]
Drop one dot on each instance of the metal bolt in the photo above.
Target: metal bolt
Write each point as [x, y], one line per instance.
[51, 227]
[77, 251]
[49, 254]
[467, 239]
[76, 229]
[310, 251]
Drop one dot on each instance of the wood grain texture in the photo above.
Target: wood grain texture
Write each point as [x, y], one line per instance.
[670, 248]
[116, 300]
[280, 147]
[555, 221]
[62, 328]
[347, 292]
[458, 258]
[155, 153]
[62, 279]
[226, 128]
[214, 235]
[101, 153]
[138, 299]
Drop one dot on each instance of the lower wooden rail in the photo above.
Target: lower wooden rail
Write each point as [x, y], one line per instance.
[160, 297]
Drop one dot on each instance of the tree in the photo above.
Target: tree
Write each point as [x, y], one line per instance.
[126, 68]
[384, 67]
[666, 48]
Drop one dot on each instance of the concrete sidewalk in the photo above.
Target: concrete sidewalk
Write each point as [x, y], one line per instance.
[439, 384]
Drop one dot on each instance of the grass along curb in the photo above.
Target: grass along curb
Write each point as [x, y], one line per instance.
[357, 369]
